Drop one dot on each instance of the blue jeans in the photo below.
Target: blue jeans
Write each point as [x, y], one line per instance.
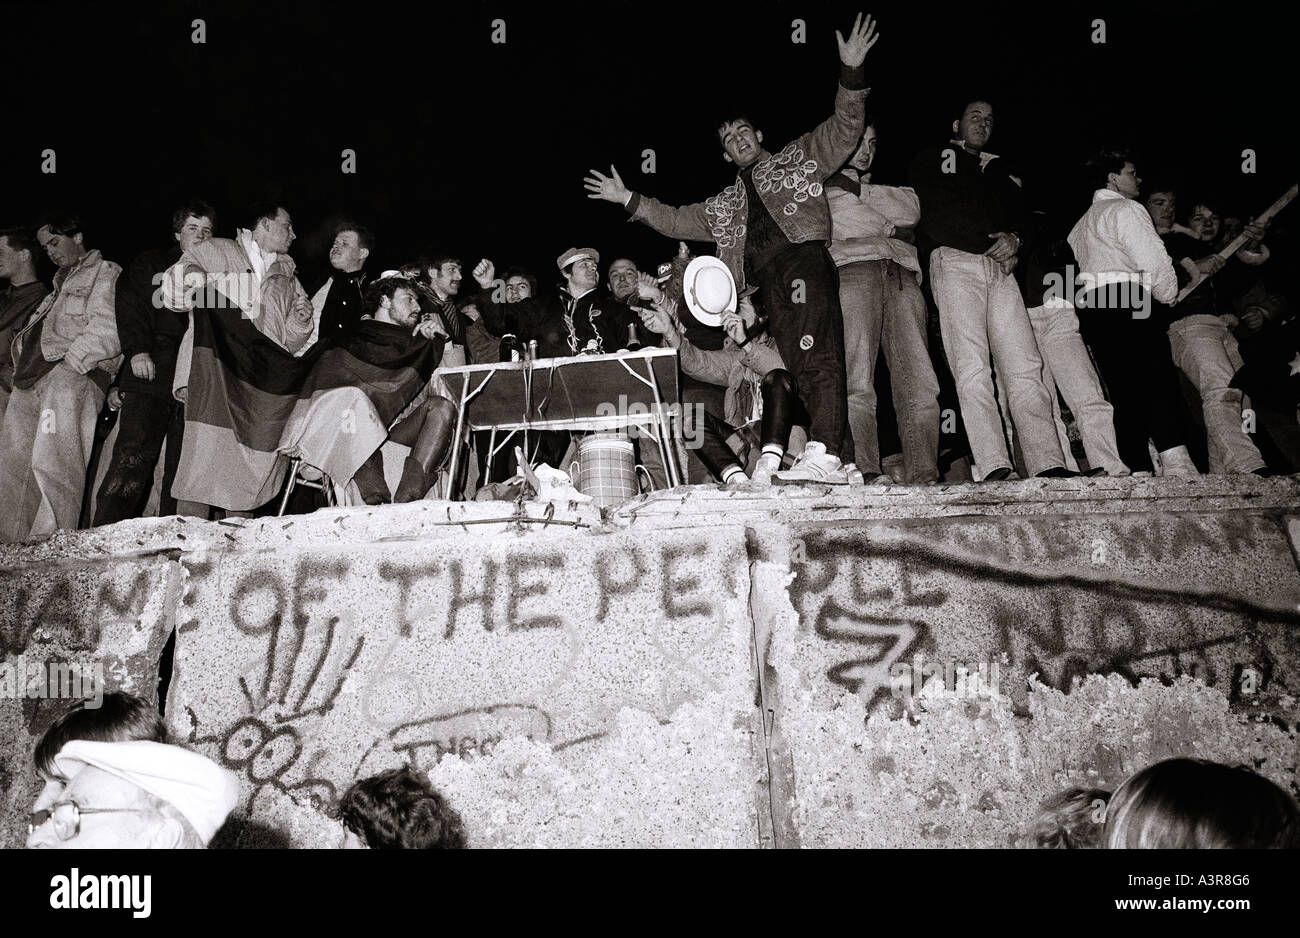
[881, 302]
[982, 315]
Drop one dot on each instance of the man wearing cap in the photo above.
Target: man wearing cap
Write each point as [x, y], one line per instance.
[137, 794]
[771, 227]
[596, 324]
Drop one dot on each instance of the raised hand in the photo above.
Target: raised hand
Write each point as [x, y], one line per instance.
[734, 327]
[861, 38]
[647, 288]
[745, 307]
[484, 273]
[610, 188]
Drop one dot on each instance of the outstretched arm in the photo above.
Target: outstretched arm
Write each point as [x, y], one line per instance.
[833, 141]
[853, 51]
[609, 188]
[687, 222]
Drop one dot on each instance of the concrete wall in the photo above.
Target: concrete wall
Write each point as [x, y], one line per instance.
[700, 669]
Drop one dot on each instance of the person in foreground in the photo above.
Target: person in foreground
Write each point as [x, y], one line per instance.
[134, 794]
[1196, 804]
[398, 810]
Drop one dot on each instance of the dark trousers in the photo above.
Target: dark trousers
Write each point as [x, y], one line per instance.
[782, 410]
[1137, 365]
[145, 422]
[799, 290]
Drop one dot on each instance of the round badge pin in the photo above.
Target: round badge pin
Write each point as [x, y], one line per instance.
[806, 342]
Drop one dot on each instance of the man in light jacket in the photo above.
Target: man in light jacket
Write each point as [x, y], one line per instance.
[880, 297]
[64, 358]
[252, 271]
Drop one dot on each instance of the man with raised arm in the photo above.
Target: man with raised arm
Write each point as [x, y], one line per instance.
[771, 227]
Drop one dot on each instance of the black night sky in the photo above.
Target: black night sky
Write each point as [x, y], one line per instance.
[481, 148]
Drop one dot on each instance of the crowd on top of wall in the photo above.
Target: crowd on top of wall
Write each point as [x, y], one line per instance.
[846, 332]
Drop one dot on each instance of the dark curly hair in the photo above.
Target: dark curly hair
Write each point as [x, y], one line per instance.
[399, 810]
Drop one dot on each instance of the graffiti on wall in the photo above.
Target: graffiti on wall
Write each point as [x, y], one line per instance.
[109, 612]
[877, 597]
[73, 606]
[313, 654]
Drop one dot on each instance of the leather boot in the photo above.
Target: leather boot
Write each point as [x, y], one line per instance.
[415, 482]
[370, 480]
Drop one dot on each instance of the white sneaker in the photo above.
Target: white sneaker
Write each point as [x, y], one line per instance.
[854, 474]
[767, 465]
[1177, 462]
[737, 480]
[815, 465]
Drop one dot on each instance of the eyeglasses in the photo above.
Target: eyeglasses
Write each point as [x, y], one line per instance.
[67, 817]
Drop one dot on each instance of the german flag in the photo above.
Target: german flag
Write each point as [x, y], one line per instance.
[251, 405]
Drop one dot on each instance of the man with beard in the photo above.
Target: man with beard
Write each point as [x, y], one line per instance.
[428, 421]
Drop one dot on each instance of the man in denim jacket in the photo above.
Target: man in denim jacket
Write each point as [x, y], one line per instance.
[771, 228]
[64, 358]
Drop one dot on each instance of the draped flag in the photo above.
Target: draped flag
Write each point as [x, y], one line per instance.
[251, 405]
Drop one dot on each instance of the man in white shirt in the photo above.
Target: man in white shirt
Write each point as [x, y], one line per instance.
[881, 300]
[1122, 265]
[1067, 368]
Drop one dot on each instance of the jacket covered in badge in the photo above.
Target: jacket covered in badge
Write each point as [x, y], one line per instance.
[789, 182]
